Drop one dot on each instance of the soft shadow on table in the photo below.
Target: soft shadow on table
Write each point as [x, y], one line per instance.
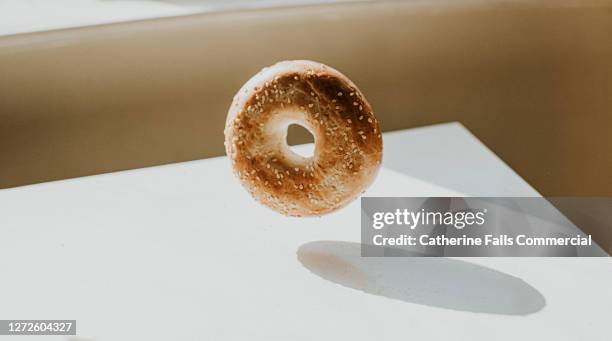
[438, 282]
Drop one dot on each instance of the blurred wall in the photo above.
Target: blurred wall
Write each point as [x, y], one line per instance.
[532, 80]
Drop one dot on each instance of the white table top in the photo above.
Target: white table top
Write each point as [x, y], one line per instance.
[181, 252]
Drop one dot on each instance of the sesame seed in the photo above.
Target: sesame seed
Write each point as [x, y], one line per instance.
[339, 94]
[351, 94]
[310, 105]
[295, 77]
[355, 103]
[369, 119]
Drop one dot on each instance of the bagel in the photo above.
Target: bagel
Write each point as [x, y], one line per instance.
[347, 138]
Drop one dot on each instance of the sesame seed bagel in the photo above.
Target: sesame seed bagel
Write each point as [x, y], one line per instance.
[348, 141]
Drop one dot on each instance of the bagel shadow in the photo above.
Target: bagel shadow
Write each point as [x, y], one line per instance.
[436, 282]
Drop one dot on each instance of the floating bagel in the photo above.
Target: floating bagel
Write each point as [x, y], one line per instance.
[347, 138]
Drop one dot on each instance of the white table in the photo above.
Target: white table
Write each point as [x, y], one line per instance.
[181, 252]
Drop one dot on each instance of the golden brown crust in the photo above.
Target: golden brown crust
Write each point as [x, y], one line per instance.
[348, 141]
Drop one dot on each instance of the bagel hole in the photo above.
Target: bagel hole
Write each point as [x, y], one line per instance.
[297, 135]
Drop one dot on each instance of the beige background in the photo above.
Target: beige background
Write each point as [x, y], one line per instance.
[531, 80]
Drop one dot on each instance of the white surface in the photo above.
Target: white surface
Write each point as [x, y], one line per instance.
[181, 252]
[21, 16]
